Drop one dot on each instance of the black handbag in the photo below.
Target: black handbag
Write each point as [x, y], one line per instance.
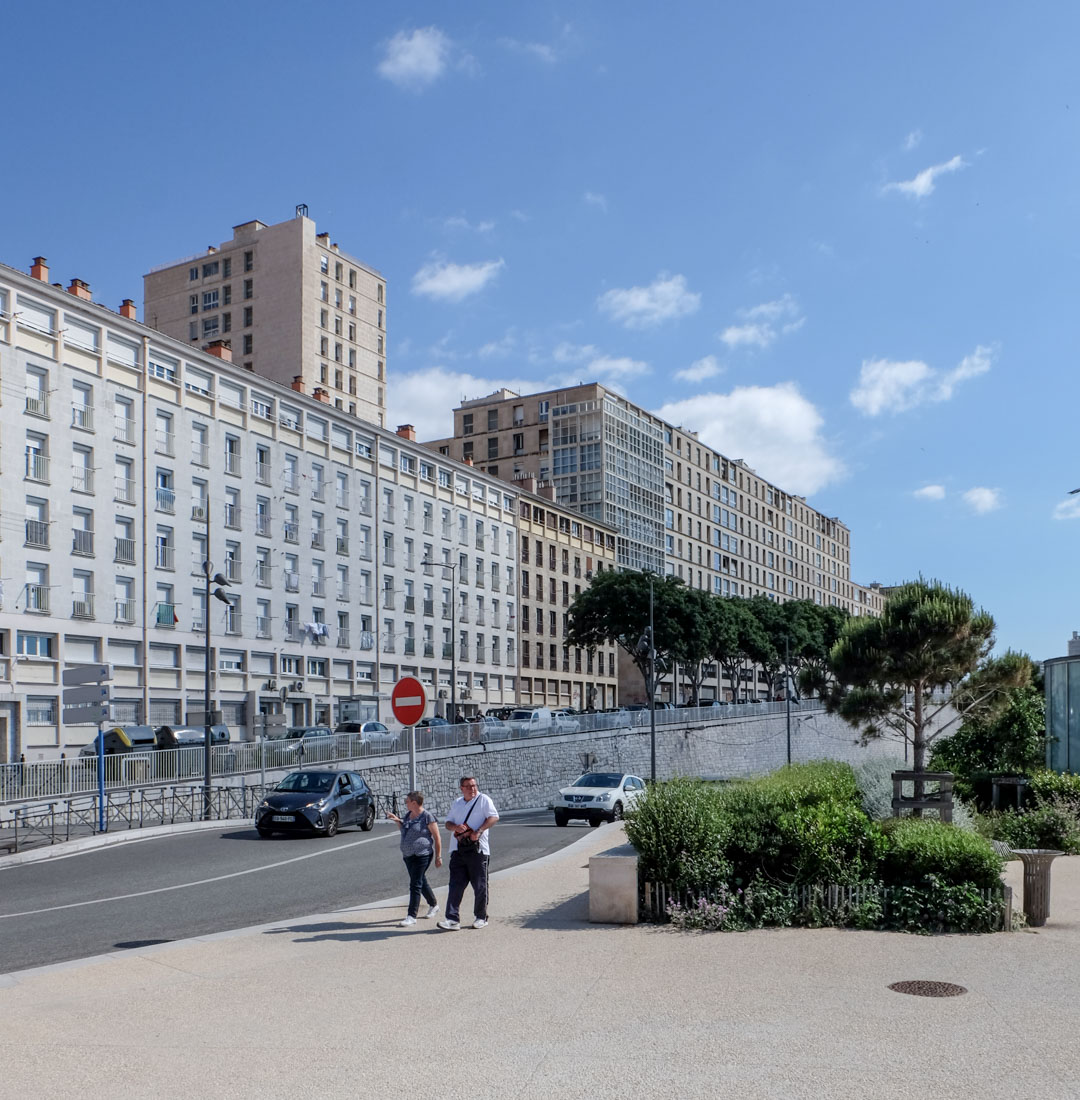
[466, 843]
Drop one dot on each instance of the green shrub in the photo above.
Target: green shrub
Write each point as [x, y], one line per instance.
[873, 778]
[680, 834]
[919, 848]
[810, 784]
[832, 842]
[1044, 786]
[937, 906]
[1052, 824]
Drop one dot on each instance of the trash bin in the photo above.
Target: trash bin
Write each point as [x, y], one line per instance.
[1037, 883]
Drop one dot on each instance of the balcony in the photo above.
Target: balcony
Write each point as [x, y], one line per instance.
[481, 579]
[446, 532]
[342, 544]
[165, 615]
[232, 621]
[429, 608]
[318, 540]
[481, 616]
[262, 524]
[37, 466]
[410, 647]
[232, 516]
[364, 553]
[165, 501]
[292, 630]
[37, 598]
[388, 598]
[165, 557]
[481, 655]
[37, 403]
[263, 626]
[292, 582]
[341, 500]
[82, 416]
[463, 653]
[82, 479]
[292, 532]
[447, 651]
[463, 615]
[199, 513]
[318, 587]
[463, 576]
[496, 656]
[410, 519]
[429, 649]
[429, 525]
[343, 639]
[37, 533]
[410, 604]
[124, 429]
[165, 443]
[232, 463]
[496, 583]
[318, 491]
[388, 555]
[82, 606]
[366, 595]
[496, 620]
[446, 611]
[364, 506]
[124, 612]
[82, 543]
[387, 514]
[389, 645]
[291, 483]
[125, 551]
[234, 569]
[343, 591]
[125, 490]
[429, 569]
[262, 473]
[262, 574]
[200, 454]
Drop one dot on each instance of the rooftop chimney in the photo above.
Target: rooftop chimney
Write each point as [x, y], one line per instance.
[467, 460]
[406, 431]
[547, 489]
[127, 309]
[323, 238]
[298, 383]
[80, 289]
[39, 269]
[321, 395]
[221, 349]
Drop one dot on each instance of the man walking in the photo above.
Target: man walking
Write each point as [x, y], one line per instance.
[468, 822]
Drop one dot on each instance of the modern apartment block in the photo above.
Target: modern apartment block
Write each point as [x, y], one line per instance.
[130, 458]
[604, 455]
[560, 552]
[295, 307]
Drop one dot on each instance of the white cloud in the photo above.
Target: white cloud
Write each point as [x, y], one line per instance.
[890, 386]
[700, 369]
[923, 184]
[415, 59]
[449, 282]
[930, 492]
[912, 140]
[762, 324]
[616, 366]
[574, 353]
[464, 223]
[774, 428]
[665, 299]
[1068, 509]
[498, 347]
[593, 199]
[983, 500]
[549, 53]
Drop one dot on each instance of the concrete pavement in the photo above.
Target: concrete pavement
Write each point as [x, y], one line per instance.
[542, 1003]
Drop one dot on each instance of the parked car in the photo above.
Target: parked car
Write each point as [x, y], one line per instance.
[376, 733]
[316, 801]
[596, 797]
[169, 737]
[489, 728]
[565, 720]
[528, 721]
[304, 741]
[433, 720]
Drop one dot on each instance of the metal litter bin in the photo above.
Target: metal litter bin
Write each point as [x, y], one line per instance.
[1037, 883]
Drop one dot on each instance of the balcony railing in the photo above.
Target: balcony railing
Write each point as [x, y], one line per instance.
[263, 626]
[446, 611]
[165, 615]
[125, 551]
[447, 651]
[364, 506]
[262, 473]
[342, 639]
[234, 570]
[366, 595]
[364, 553]
[82, 479]
[429, 525]
[232, 516]
[125, 490]
[318, 540]
[318, 491]
[124, 429]
[166, 557]
[37, 533]
[410, 519]
[481, 616]
[481, 579]
[429, 649]
[263, 574]
[164, 443]
[292, 582]
[481, 655]
[166, 501]
[37, 598]
[388, 555]
[341, 500]
[318, 587]
[82, 416]
[496, 655]
[291, 483]
[496, 582]
[262, 524]
[125, 611]
[388, 514]
[429, 608]
[232, 621]
[37, 403]
[200, 454]
[389, 645]
[342, 544]
[388, 598]
[82, 542]
[82, 607]
[232, 462]
[199, 512]
[37, 466]
[293, 630]
[464, 614]
[410, 647]
[410, 604]
[292, 532]
[343, 592]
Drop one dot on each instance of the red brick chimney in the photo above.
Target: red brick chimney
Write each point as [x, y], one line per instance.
[298, 383]
[80, 289]
[221, 349]
[321, 395]
[39, 269]
[406, 431]
[467, 460]
[547, 489]
[127, 309]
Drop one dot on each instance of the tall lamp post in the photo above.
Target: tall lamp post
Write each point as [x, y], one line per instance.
[452, 566]
[647, 646]
[787, 691]
[218, 593]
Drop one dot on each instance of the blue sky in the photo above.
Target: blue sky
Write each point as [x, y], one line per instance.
[838, 240]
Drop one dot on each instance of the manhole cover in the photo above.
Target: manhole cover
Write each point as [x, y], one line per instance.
[928, 989]
[127, 945]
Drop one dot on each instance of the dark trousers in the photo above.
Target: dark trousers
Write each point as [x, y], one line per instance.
[468, 869]
[418, 884]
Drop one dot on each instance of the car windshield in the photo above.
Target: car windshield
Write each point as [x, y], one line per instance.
[307, 782]
[521, 715]
[599, 779]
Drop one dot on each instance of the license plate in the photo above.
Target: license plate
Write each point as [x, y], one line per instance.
[282, 817]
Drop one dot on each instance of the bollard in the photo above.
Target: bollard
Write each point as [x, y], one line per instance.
[1037, 883]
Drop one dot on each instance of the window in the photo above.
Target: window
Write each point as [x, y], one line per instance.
[209, 269]
[193, 274]
[249, 288]
[209, 300]
[248, 314]
[34, 645]
[248, 342]
[249, 261]
[193, 304]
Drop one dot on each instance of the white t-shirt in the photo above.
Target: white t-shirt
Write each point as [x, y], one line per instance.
[481, 811]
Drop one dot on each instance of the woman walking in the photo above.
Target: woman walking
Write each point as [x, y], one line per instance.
[420, 842]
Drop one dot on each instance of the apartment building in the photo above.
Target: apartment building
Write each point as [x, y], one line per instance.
[560, 552]
[603, 454]
[293, 305]
[131, 458]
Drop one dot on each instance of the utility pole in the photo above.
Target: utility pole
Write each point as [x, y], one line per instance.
[787, 690]
[652, 687]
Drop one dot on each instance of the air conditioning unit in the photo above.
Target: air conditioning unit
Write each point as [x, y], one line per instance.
[298, 686]
[270, 685]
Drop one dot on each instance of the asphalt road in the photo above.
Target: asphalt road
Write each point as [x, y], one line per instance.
[192, 884]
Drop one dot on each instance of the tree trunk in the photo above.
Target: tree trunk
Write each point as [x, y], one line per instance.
[918, 747]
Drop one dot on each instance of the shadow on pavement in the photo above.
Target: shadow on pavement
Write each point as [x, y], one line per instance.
[348, 933]
[570, 913]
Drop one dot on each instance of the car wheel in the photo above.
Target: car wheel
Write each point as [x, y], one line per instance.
[561, 818]
[594, 822]
[369, 820]
[263, 832]
[331, 824]
[616, 812]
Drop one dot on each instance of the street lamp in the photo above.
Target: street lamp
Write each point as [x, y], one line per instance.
[452, 566]
[212, 578]
[647, 643]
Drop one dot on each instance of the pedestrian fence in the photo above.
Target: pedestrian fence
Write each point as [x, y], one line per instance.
[25, 782]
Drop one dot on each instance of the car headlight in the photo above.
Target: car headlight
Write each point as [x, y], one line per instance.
[321, 804]
[606, 797]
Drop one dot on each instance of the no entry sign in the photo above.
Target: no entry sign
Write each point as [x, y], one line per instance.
[408, 700]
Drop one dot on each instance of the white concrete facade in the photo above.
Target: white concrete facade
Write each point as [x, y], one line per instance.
[122, 448]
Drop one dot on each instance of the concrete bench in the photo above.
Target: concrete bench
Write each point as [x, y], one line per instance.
[613, 886]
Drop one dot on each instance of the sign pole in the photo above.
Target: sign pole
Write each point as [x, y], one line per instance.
[101, 778]
[410, 735]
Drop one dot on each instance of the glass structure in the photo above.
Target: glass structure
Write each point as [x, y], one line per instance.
[1063, 713]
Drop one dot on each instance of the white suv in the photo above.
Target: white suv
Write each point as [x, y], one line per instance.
[598, 796]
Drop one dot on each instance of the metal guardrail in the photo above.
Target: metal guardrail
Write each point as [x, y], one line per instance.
[67, 778]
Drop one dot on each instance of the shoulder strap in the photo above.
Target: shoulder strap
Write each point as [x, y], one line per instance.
[471, 808]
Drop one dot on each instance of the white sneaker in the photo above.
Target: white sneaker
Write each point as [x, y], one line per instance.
[449, 925]
[432, 911]
[480, 922]
[407, 922]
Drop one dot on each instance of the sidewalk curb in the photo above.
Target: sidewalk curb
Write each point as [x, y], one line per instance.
[16, 977]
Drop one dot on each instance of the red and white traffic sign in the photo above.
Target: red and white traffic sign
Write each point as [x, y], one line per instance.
[408, 700]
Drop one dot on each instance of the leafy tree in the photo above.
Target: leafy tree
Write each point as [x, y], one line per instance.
[815, 630]
[898, 675]
[696, 626]
[735, 633]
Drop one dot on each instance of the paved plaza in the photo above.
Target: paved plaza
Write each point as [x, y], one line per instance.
[543, 1004]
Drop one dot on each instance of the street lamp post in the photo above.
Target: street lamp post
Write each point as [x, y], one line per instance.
[787, 691]
[212, 578]
[452, 566]
[647, 647]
